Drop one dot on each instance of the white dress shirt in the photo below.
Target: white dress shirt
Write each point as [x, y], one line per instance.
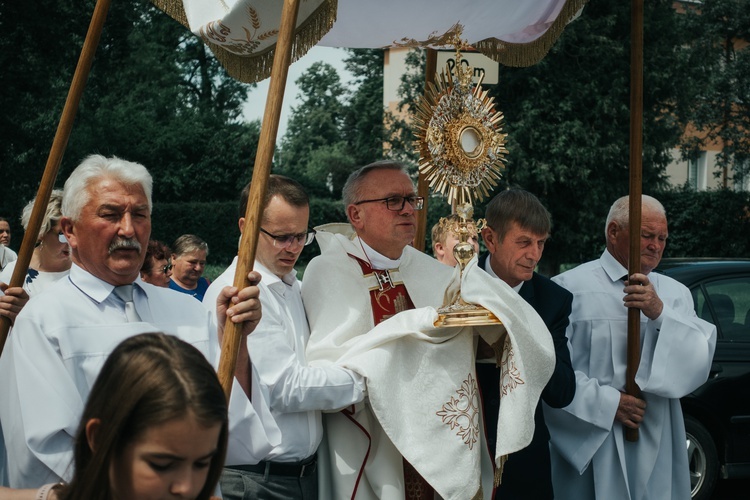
[59, 343]
[296, 392]
[6, 256]
[35, 281]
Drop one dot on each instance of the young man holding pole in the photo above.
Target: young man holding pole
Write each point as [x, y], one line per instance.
[297, 393]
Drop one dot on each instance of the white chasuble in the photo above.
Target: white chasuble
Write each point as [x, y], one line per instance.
[423, 402]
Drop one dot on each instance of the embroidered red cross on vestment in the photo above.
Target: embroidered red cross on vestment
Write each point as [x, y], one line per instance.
[388, 294]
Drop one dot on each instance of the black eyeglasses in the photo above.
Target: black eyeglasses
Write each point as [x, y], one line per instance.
[167, 268]
[397, 203]
[286, 240]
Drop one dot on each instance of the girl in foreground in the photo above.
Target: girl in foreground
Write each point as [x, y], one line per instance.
[155, 426]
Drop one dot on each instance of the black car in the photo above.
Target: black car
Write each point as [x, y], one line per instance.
[717, 414]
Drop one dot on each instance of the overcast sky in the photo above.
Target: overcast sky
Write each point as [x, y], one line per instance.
[256, 102]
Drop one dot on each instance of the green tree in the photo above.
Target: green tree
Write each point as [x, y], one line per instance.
[315, 124]
[37, 57]
[153, 96]
[400, 136]
[719, 108]
[568, 121]
[363, 119]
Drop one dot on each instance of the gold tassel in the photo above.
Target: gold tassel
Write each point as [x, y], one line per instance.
[499, 466]
[528, 54]
[256, 67]
[174, 9]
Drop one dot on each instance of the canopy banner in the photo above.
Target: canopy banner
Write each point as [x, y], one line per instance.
[242, 33]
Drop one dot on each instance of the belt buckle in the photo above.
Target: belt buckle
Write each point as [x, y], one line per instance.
[302, 470]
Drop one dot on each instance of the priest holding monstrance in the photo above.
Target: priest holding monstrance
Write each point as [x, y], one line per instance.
[370, 300]
[371, 303]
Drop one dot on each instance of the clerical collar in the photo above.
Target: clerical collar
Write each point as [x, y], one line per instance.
[378, 260]
[491, 272]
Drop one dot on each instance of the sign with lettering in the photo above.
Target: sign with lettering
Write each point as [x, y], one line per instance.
[479, 62]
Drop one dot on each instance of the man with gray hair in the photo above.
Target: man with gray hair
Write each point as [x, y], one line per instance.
[370, 300]
[61, 338]
[590, 456]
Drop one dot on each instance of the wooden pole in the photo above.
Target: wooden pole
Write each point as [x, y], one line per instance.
[54, 159]
[636, 181]
[282, 59]
[423, 189]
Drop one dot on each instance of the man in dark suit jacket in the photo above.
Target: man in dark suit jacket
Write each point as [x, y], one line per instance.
[518, 226]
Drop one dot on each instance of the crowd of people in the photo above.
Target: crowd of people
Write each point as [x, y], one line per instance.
[344, 388]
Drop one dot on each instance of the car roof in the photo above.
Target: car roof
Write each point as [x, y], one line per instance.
[688, 270]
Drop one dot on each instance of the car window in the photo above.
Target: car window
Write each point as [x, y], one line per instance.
[701, 306]
[730, 303]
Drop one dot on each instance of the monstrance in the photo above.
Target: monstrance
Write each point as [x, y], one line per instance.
[462, 151]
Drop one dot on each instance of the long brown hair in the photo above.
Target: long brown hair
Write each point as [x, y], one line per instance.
[149, 379]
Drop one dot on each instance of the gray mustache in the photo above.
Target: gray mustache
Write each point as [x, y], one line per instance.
[125, 244]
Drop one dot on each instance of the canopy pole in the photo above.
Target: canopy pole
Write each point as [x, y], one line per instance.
[230, 345]
[636, 169]
[57, 150]
[423, 188]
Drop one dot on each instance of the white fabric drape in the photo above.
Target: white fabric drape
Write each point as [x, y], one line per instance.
[243, 33]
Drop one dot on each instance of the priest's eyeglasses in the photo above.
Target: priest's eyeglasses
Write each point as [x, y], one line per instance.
[397, 203]
[286, 240]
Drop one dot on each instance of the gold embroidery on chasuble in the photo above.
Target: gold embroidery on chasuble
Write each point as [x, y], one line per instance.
[462, 412]
[510, 375]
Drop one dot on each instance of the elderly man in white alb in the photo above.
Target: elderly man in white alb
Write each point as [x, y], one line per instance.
[590, 456]
[63, 336]
[370, 300]
[297, 393]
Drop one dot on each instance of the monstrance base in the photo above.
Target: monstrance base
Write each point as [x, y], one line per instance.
[465, 315]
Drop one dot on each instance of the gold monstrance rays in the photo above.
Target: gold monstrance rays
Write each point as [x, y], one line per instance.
[458, 134]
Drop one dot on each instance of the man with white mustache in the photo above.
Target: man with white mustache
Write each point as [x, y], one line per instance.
[61, 338]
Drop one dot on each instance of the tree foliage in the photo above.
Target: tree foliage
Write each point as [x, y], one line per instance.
[718, 57]
[315, 126]
[568, 120]
[707, 223]
[363, 123]
[153, 96]
[333, 130]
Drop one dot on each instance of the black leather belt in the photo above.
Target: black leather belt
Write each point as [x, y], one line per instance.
[294, 469]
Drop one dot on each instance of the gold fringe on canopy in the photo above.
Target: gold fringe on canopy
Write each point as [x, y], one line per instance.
[528, 54]
[257, 66]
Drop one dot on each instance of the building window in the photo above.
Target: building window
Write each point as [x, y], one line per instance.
[697, 174]
[742, 177]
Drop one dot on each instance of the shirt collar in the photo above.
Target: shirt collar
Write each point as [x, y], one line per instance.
[378, 260]
[97, 289]
[270, 278]
[491, 272]
[614, 269]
